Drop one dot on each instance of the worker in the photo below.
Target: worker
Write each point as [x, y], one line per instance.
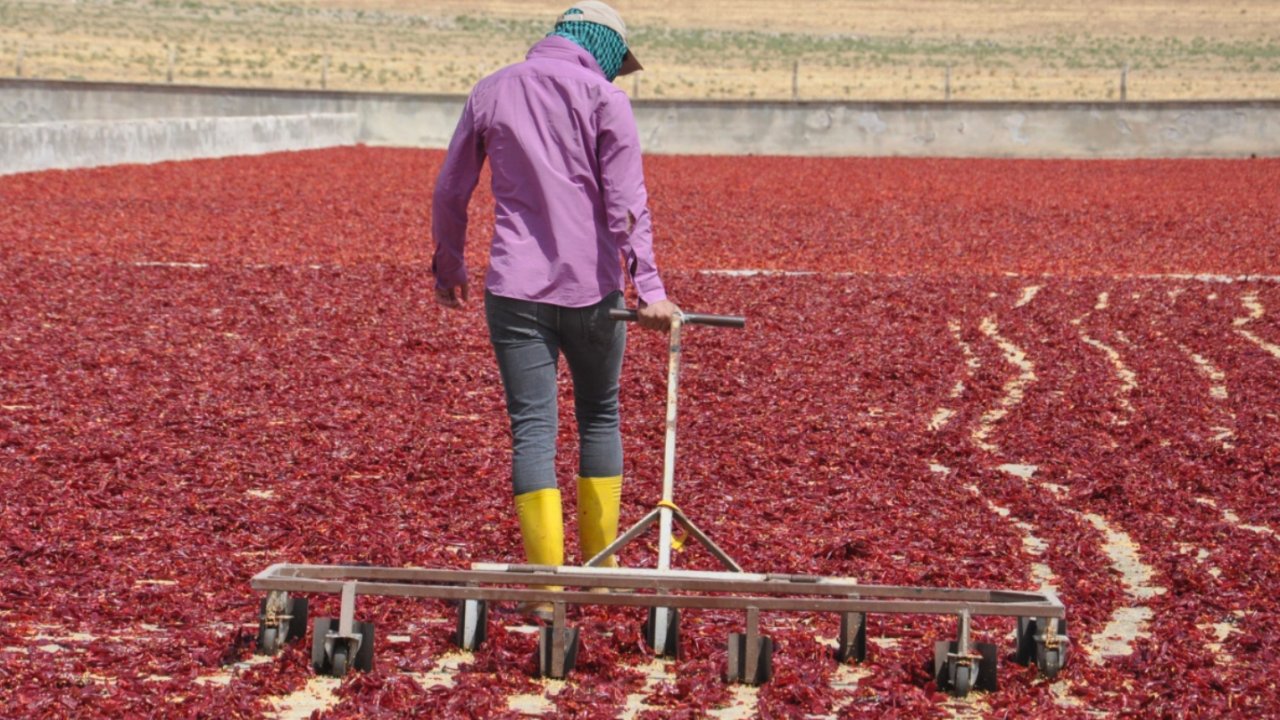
[571, 223]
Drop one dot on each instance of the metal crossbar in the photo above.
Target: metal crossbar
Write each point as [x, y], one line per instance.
[656, 588]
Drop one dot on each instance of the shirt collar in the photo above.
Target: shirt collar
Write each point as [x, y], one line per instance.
[555, 47]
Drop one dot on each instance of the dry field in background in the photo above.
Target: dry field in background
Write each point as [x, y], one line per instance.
[874, 49]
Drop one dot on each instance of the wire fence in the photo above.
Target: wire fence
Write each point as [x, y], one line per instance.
[796, 79]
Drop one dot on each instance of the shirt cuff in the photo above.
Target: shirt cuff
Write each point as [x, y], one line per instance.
[453, 275]
[650, 289]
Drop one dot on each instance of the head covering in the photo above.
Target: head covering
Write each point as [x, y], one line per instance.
[600, 30]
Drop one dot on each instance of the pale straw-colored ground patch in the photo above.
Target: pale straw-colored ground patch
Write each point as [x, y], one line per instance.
[736, 49]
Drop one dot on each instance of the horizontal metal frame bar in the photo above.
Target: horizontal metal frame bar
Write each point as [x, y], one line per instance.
[468, 585]
[643, 578]
[725, 602]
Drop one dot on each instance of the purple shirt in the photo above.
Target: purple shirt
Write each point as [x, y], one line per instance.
[567, 181]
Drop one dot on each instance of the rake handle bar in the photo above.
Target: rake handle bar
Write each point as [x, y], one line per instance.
[733, 321]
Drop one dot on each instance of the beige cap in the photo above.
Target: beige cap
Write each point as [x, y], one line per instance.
[601, 14]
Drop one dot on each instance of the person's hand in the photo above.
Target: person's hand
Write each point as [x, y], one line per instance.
[657, 316]
[454, 298]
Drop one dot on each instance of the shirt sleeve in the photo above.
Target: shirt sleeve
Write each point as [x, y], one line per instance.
[625, 197]
[456, 182]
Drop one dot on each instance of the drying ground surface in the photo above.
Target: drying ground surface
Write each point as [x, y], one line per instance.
[846, 49]
[955, 373]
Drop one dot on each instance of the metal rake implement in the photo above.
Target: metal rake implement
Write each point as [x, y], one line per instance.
[958, 665]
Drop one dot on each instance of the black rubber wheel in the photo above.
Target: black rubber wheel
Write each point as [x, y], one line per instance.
[671, 642]
[571, 652]
[941, 648]
[1061, 660]
[764, 669]
[733, 669]
[1025, 651]
[544, 651]
[319, 663]
[736, 672]
[481, 631]
[298, 609]
[364, 656]
[858, 650]
[987, 675]
[962, 678]
[339, 666]
[268, 639]
[1050, 661]
[545, 648]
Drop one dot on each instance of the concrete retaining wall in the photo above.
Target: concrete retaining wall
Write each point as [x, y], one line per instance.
[1023, 130]
[88, 143]
[943, 129]
[384, 118]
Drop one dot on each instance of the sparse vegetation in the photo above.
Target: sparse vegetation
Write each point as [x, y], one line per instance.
[1050, 50]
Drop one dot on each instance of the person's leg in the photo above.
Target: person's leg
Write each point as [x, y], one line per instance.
[593, 345]
[525, 344]
[527, 349]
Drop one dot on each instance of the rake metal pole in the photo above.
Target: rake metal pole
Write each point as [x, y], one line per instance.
[669, 456]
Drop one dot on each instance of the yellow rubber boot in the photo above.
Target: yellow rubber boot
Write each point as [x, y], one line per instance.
[598, 502]
[542, 527]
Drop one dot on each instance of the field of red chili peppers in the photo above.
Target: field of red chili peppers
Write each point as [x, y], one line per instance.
[956, 373]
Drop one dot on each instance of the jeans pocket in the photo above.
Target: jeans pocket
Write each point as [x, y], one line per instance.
[603, 331]
[510, 320]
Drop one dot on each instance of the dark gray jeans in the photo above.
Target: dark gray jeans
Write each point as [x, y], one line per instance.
[528, 338]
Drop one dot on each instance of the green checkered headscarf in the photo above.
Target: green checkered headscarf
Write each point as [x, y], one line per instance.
[604, 44]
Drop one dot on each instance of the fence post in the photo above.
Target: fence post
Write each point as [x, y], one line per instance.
[795, 80]
[948, 83]
[173, 56]
[635, 87]
[1124, 83]
[18, 68]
